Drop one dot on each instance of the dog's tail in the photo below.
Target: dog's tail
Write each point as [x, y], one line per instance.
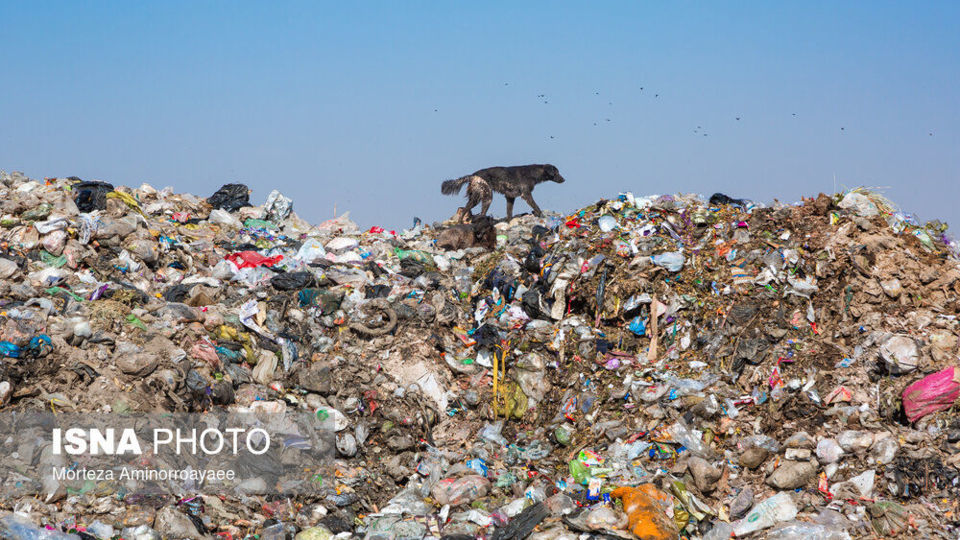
[452, 187]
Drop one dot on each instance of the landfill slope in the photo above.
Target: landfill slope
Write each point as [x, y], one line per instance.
[645, 367]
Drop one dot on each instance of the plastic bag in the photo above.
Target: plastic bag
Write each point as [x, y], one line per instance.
[859, 204]
[648, 511]
[341, 224]
[671, 260]
[638, 326]
[407, 501]
[460, 490]
[766, 514]
[9, 350]
[607, 223]
[222, 217]
[935, 392]
[414, 255]
[91, 196]
[230, 197]
[718, 199]
[522, 524]
[292, 281]
[252, 259]
[491, 432]
[311, 251]
[690, 438]
[888, 518]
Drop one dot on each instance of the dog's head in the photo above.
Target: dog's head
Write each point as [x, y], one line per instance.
[552, 174]
[484, 233]
[481, 223]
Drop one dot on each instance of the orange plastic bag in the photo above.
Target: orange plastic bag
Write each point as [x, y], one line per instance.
[648, 512]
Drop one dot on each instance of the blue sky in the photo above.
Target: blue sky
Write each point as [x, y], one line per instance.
[369, 106]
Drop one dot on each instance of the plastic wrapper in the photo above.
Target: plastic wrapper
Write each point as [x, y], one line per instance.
[277, 207]
[935, 392]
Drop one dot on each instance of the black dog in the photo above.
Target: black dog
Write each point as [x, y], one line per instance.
[512, 182]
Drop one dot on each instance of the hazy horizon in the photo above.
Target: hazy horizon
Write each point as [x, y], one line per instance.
[369, 107]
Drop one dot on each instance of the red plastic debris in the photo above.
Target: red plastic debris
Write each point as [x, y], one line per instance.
[252, 259]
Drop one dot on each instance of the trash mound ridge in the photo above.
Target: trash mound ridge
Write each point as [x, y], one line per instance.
[644, 367]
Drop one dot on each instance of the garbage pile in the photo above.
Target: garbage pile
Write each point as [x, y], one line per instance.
[646, 367]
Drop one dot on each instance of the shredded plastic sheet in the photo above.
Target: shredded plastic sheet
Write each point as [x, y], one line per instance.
[252, 259]
[935, 392]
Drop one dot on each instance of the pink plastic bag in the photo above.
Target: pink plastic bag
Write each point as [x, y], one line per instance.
[935, 392]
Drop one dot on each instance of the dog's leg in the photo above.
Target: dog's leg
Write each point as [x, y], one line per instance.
[510, 207]
[529, 198]
[473, 199]
[487, 196]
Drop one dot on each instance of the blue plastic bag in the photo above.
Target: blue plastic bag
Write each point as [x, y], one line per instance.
[40, 346]
[638, 326]
[9, 350]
